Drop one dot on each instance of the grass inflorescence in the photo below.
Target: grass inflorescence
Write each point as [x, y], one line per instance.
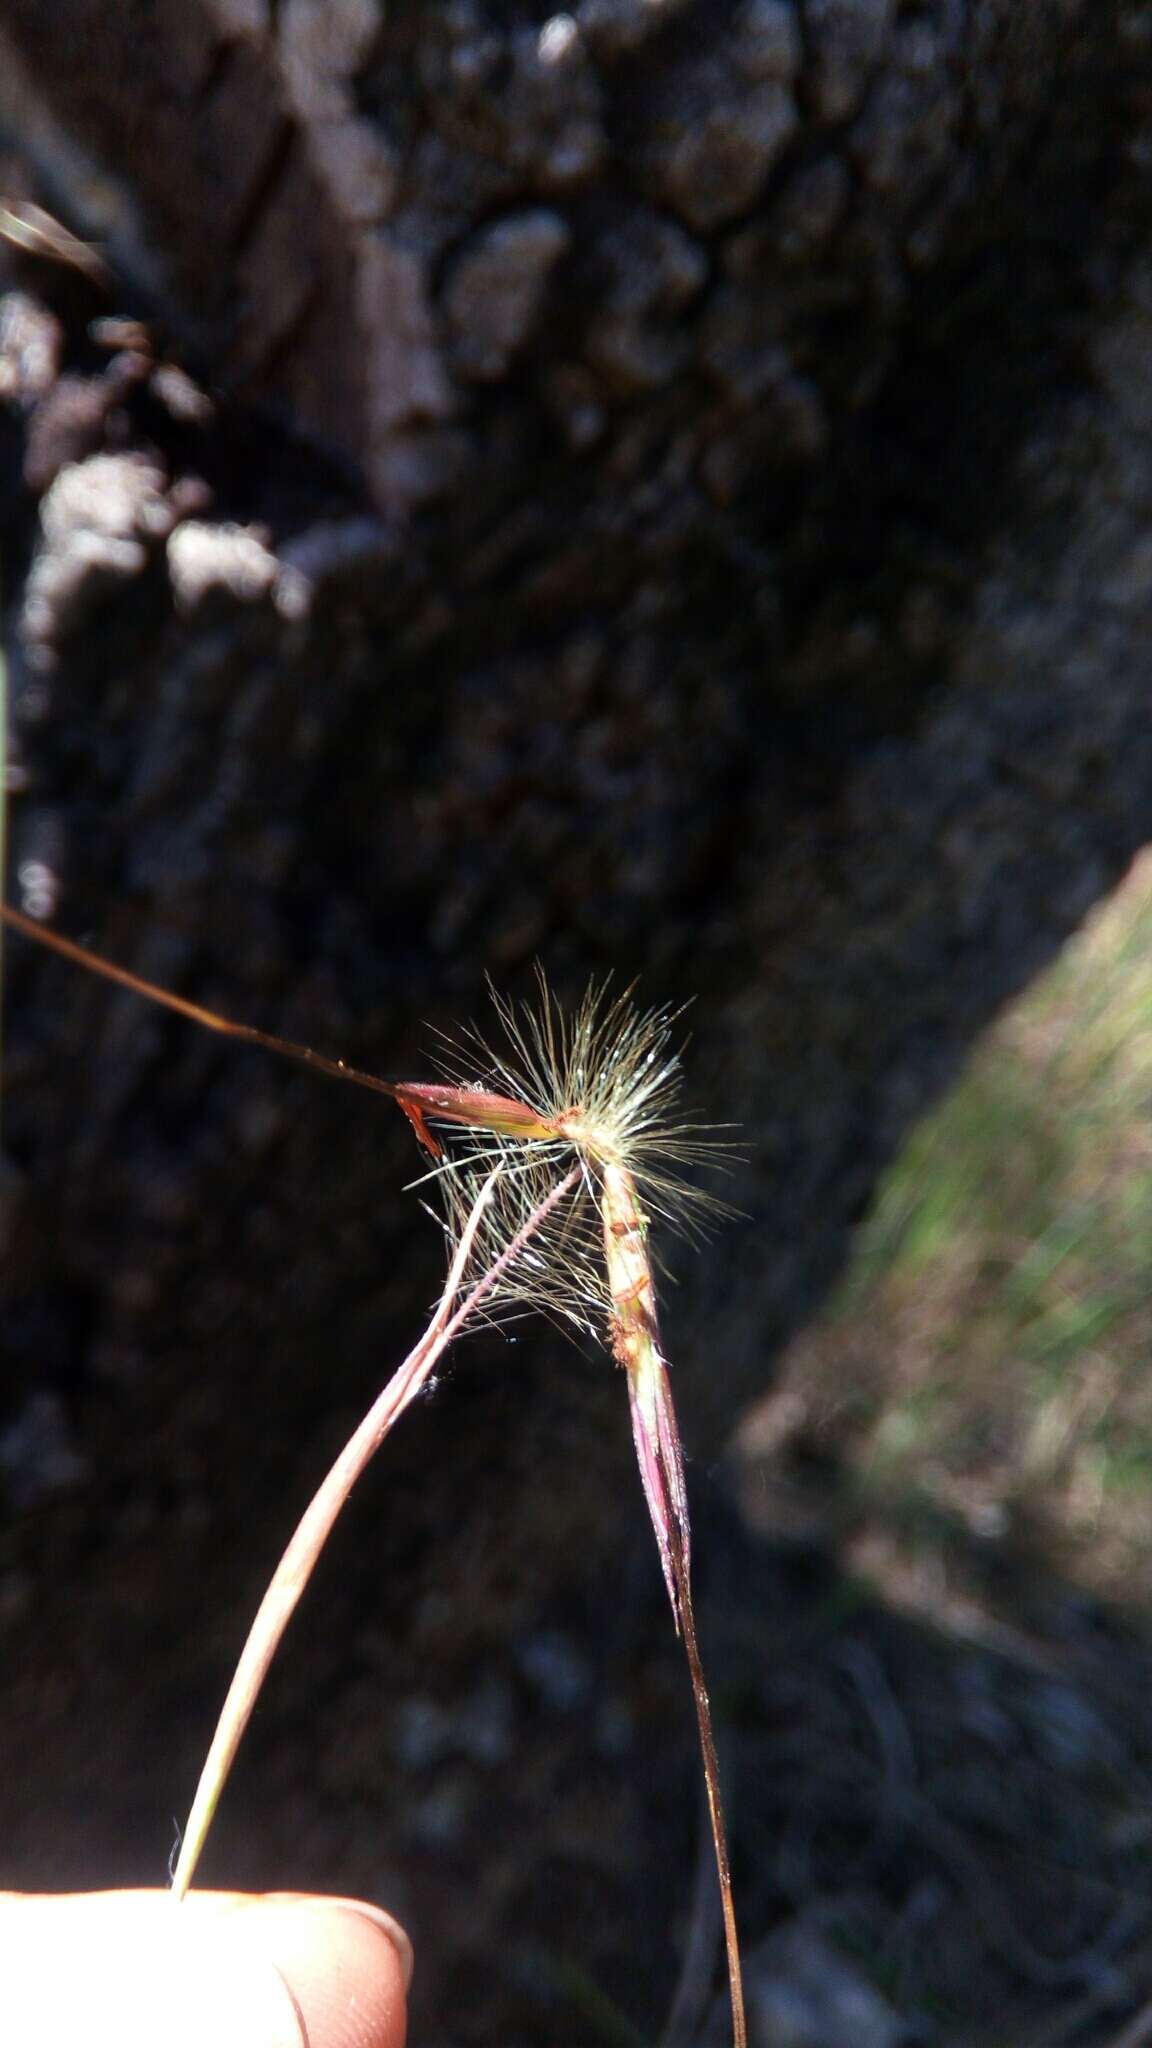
[562, 1145]
[602, 1086]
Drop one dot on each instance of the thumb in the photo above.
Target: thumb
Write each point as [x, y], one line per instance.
[217, 1970]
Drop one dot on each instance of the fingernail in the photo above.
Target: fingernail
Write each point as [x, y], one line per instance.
[387, 1925]
[375, 1915]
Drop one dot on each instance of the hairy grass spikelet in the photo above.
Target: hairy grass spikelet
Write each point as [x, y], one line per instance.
[601, 1084]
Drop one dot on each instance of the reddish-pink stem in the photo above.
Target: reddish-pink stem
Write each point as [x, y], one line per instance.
[296, 1566]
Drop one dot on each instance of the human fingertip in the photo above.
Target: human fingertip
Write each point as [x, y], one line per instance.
[347, 1963]
[360, 1910]
[377, 1917]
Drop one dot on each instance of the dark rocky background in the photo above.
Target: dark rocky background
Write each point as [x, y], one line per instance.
[662, 488]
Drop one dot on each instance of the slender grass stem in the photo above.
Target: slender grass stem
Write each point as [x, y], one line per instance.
[3, 823]
[298, 1562]
[636, 1343]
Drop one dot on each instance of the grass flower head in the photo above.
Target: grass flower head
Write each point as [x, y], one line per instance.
[601, 1084]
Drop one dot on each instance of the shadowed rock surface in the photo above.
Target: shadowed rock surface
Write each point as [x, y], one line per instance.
[659, 488]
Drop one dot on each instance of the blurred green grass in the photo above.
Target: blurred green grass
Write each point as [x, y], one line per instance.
[985, 1363]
